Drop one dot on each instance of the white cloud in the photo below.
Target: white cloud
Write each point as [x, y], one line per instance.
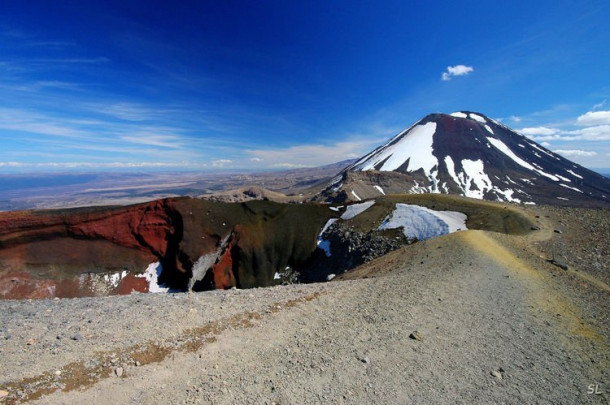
[221, 162]
[594, 118]
[575, 152]
[288, 165]
[595, 133]
[256, 160]
[163, 141]
[545, 144]
[514, 118]
[100, 165]
[533, 131]
[314, 155]
[457, 70]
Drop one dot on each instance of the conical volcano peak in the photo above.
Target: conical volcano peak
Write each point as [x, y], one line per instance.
[469, 154]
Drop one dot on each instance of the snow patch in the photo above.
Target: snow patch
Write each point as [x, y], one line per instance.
[533, 145]
[423, 223]
[277, 276]
[356, 209]
[574, 174]
[564, 178]
[477, 118]
[507, 194]
[380, 189]
[114, 279]
[571, 188]
[151, 274]
[323, 243]
[334, 209]
[487, 127]
[458, 114]
[415, 146]
[501, 146]
[336, 188]
[356, 196]
[473, 173]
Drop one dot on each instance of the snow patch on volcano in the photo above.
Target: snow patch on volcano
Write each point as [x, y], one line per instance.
[477, 118]
[423, 223]
[356, 209]
[419, 139]
[574, 174]
[501, 146]
[378, 188]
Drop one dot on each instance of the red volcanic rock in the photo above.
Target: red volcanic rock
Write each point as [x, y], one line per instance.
[146, 227]
[131, 283]
[223, 269]
[49, 253]
[20, 286]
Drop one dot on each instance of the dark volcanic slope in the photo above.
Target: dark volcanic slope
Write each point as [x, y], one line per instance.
[469, 154]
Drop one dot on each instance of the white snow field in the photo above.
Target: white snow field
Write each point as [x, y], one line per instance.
[423, 223]
[356, 209]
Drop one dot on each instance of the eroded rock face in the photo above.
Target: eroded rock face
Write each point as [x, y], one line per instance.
[49, 253]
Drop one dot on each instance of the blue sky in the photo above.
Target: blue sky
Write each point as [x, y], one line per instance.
[238, 84]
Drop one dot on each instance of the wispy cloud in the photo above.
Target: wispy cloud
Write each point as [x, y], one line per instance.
[533, 131]
[163, 141]
[128, 111]
[574, 152]
[222, 162]
[101, 165]
[457, 70]
[594, 118]
[313, 155]
[599, 105]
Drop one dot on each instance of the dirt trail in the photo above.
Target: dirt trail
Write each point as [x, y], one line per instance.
[494, 327]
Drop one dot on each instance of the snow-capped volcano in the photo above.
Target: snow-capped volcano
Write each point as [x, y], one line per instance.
[468, 154]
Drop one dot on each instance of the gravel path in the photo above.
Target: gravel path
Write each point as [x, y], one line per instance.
[497, 325]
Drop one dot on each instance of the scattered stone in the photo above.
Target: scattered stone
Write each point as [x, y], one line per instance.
[77, 336]
[557, 231]
[416, 335]
[119, 371]
[30, 342]
[497, 374]
[330, 277]
[535, 228]
[138, 364]
[58, 372]
[559, 263]
[3, 393]
[365, 360]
